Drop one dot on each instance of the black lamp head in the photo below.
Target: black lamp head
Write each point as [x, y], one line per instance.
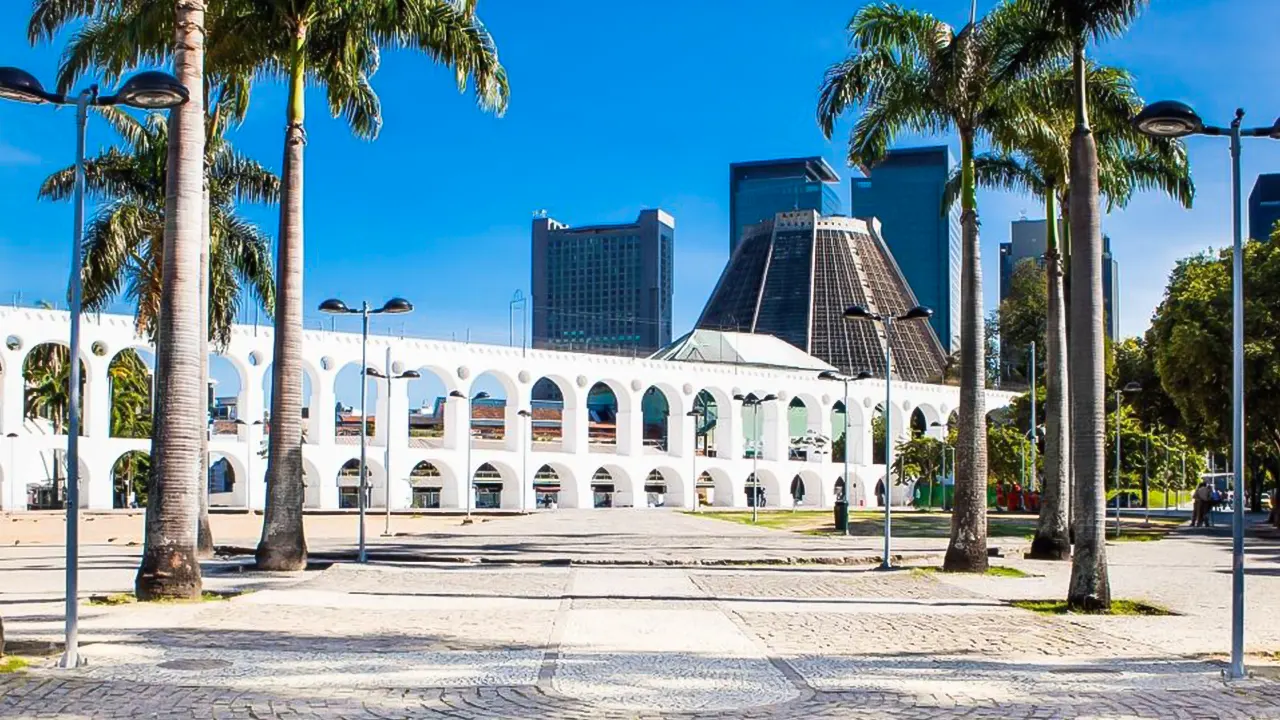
[456, 394]
[374, 372]
[524, 413]
[21, 86]
[864, 375]
[694, 413]
[1169, 119]
[482, 395]
[740, 397]
[768, 398]
[1132, 387]
[397, 306]
[856, 312]
[150, 90]
[828, 375]
[334, 305]
[918, 312]
[1274, 132]
[410, 375]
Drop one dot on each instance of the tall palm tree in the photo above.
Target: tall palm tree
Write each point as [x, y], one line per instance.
[333, 44]
[123, 247]
[169, 567]
[911, 72]
[1033, 159]
[1066, 28]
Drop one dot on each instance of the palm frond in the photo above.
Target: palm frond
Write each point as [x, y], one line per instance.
[902, 31]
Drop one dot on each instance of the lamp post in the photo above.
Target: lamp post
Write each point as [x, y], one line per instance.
[524, 456]
[1174, 119]
[1132, 387]
[386, 458]
[755, 402]
[150, 90]
[394, 306]
[946, 427]
[845, 379]
[248, 462]
[696, 415]
[1034, 481]
[470, 479]
[858, 312]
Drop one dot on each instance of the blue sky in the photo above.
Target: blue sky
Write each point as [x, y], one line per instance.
[616, 107]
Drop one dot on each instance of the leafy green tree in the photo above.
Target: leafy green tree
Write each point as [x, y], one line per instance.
[1022, 319]
[46, 374]
[877, 436]
[130, 396]
[909, 71]
[1008, 447]
[919, 459]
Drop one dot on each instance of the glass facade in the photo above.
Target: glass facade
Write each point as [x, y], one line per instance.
[603, 288]
[760, 190]
[1264, 206]
[904, 192]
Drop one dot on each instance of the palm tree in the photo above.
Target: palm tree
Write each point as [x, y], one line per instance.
[47, 377]
[1033, 159]
[911, 72]
[1066, 27]
[335, 45]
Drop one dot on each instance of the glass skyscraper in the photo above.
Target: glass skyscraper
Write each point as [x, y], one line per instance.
[1264, 206]
[761, 189]
[1028, 241]
[904, 192]
[603, 288]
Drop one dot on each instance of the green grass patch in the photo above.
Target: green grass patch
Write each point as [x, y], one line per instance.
[130, 598]
[116, 599]
[1118, 607]
[992, 570]
[12, 664]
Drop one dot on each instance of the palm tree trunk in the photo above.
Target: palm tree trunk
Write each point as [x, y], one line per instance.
[1090, 587]
[1053, 539]
[967, 550]
[169, 566]
[204, 533]
[283, 545]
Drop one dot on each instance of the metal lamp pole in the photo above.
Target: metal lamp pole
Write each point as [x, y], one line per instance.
[248, 462]
[337, 307]
[386, 460]
[694, 415]
[524, 456]
[149, 90]
[1129, 388]
[845, 379]
[470, 478]
[858, 312]
[755, 402]
[1034, 480]
[1175, 119]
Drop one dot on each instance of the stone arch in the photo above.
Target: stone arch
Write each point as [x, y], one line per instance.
[131, 392]
[46, 479]
[724, 492]
[231, 394]
[432, 486]
[312, 486]
[554, 401]
[774, 493]
[310, 399]
[807, 439]
[919, 424]
[348, 484]
[345, 384]
[495, 486]
[427, 420]
[493, 417]
[554, 485]
[663, 487]
[605, 411]
[129, 474]
[660, 414]
[816, 492]
[715, 421]
[609, 489]
[46, 377]
[879, 428]
[229, 484]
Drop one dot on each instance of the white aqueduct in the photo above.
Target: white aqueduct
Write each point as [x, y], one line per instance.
[510, 464]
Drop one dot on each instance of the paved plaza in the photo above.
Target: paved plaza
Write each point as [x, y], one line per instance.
[487, 639]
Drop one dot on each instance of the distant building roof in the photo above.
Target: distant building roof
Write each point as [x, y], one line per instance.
[719, 346]
[814, 167]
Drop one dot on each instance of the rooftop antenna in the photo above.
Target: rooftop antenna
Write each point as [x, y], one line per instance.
[973, 12]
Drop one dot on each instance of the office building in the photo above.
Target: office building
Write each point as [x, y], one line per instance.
[603, 288]
[792, 277]
[904, 192]
[761, 189]
[1264, 206]
[1028, 241]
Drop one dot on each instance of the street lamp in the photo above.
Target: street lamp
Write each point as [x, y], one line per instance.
[150, 90]
[470, 479]
[394, 306]
[858, 312]
[1173, 119]
[248, 463]
[1132, 387]
[524, 455]
[696, 415]
[386, 458]
[755, 402]
[846, 379]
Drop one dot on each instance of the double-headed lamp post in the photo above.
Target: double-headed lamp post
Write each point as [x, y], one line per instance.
[694, 416]
[526, 415]
[848, 482]
[1171, 119]
[394, 306]
[248, 461]
[471, 487]
[150, 90]
[858, 312]
[386, 458]
[1132, 387]
[755, 402]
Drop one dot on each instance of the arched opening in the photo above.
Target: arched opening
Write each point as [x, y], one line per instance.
[492, 412]
[311, 482]
[129, 476]
[804, 430]
[757, 493]
[550, 412]
[428, 410]
[310, 422]
[228, 397]
[546, 488]
[706, 414]
[487, 484]
[426, 482]
[838, 490]
[46, 480]
[129, 377]
[349, 484]
[919, 424]
[347, 413]
[656, 413]
[603, 490]
[226, 488]
[879, 432]
[663, 489]
[46, 374]
[797, 491]
[602, 419]
[752, 428]
[706, 489]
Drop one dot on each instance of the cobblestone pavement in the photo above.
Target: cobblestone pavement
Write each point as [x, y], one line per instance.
[615, 643]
